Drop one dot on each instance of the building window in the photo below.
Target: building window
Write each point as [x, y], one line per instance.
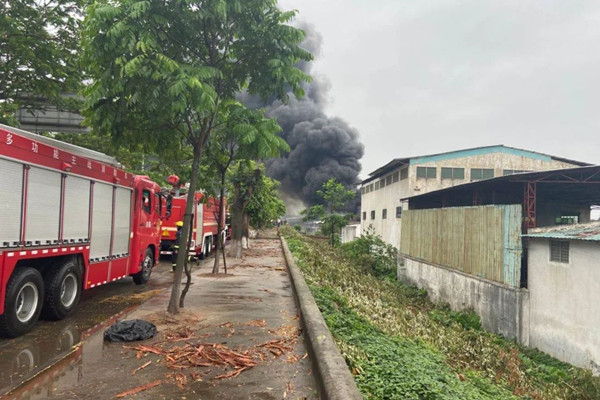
[377, 185]
[388, 180]
[453, 173]
[481, 173]
[373, 214]
[384, 213]
[364, 215]
[399, 212]
[371, 187]
[382, 183]
[403, 174]
[426, 172]
[513, 171]
[559, 251]
[395, 176]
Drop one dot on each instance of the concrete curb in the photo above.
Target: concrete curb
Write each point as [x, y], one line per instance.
[331, 372]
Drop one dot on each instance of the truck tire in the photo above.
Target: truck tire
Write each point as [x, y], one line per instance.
[143, 275]
[207, 247]
[23, 302]
[202, 252]
[63, 290]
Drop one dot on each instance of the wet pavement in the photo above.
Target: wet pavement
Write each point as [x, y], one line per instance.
[50, 341]
[240, 312]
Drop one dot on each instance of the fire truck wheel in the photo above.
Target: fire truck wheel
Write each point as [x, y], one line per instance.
[63, 289]
[207, 247]
[144, 275]
[23, 302]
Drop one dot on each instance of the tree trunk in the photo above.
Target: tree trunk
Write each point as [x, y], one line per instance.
[246, 232]
[187, 267]
[237, 226]
[173, 307]
[220, 227]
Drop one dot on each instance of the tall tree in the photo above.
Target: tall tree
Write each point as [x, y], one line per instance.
[39, 44]
[249, 135]
[166, 69]
[335, 196]
[245, 176]
[265, 204]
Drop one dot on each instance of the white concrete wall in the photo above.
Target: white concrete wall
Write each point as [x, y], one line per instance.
[565, 303]
[350, 233]
[387, 198]
[502, 309]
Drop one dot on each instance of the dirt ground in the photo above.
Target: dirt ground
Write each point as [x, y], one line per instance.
[237, 338]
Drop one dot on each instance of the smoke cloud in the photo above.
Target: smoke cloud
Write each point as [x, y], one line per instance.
[322, 147]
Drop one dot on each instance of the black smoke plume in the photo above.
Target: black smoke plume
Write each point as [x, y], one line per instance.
[322, 147]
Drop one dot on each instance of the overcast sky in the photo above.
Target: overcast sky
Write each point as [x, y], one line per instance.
[418, 77]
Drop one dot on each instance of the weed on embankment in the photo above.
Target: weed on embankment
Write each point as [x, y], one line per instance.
[399, 345]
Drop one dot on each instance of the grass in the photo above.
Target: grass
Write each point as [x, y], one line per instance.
[402, 346]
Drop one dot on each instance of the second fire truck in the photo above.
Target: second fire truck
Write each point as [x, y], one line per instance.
[204, 221]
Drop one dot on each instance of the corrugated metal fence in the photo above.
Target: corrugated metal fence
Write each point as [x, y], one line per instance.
[483, 241]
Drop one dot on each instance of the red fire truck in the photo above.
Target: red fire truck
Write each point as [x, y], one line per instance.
[204, 220]
[72, 220]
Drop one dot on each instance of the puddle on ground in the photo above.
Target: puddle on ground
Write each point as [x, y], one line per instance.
[37, 364]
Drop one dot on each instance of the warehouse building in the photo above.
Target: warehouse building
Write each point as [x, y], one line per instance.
[381, 193]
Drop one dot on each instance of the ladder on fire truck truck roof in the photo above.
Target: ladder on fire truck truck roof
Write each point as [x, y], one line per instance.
[68, 147]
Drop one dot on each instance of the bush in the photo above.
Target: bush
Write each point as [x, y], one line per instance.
[372, 253]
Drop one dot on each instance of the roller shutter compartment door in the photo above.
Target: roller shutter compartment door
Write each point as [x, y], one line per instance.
[101, 222]
[122, 220]
[77, 210]
[11, 193]
[43, 206]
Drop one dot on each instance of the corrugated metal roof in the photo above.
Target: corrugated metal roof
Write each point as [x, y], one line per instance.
[590, 232]
[395, 163]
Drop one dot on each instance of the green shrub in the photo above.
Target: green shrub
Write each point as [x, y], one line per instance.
[372, 253]
[467, 319]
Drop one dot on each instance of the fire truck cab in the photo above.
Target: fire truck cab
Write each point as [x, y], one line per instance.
[72, 220]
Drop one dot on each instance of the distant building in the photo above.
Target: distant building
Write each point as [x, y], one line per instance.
[382, 208]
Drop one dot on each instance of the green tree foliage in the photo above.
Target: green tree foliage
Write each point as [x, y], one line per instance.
[245, 177]
[335, 196]
[39, 43]
[266, 204]
[313, 213]
[166, 71]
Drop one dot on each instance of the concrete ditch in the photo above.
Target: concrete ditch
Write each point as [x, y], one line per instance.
[333, 378]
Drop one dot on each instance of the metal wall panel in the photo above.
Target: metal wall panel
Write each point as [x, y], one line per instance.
[11, 193]
[122, 221]
[101, 221]
[43, 206]
[483, 241]
[77, 209]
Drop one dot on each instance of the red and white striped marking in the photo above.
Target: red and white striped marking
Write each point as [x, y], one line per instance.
[105, 282]
[46, 251]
